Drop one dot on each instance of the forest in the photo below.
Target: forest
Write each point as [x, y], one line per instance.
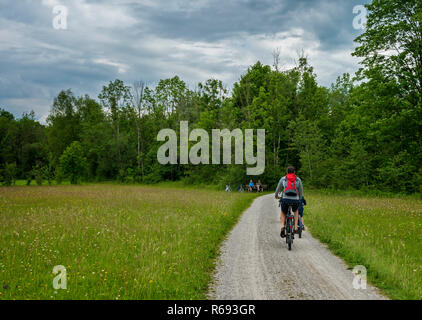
[363, 132]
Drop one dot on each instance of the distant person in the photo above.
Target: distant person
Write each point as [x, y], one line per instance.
[291, 189]
[259, 186]
[228, 188]
[251, 186]
[240, 188]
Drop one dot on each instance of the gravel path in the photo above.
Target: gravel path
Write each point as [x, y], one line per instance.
[256, 265]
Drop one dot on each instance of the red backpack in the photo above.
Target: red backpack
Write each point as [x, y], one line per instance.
[291, 189]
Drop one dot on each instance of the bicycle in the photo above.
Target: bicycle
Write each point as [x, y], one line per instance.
[289, 228]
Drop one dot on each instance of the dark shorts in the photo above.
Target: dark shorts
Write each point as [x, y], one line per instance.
[286, 203]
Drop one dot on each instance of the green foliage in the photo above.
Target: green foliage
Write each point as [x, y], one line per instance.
[48, 169]
[8, 174]
[59, 175]
[392, 44]
[73, 162]
[310, 144]
[399, 175]
[63, 124]
[38, 173]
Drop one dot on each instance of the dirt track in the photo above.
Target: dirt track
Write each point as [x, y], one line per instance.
[256, 265]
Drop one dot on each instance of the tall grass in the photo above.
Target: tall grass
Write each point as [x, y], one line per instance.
[116, 242]
[383, 234]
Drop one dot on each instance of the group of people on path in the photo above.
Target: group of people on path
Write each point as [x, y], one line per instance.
[258, 186]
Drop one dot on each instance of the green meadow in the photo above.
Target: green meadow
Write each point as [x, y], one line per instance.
[116, 242]
[381, 233]
[161, 242]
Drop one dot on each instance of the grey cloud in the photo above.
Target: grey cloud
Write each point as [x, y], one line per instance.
[151, 40]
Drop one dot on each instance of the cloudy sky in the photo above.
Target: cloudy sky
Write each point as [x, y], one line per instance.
[151, 40]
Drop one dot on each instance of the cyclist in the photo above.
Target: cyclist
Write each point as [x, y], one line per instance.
[292, 191]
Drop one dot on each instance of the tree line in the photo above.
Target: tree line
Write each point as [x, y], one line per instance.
[363, 132]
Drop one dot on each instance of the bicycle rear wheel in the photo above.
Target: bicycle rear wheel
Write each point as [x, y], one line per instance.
[289, 232]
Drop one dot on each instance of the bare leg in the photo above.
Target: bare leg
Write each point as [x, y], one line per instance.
[296, 219]
[282, 219]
